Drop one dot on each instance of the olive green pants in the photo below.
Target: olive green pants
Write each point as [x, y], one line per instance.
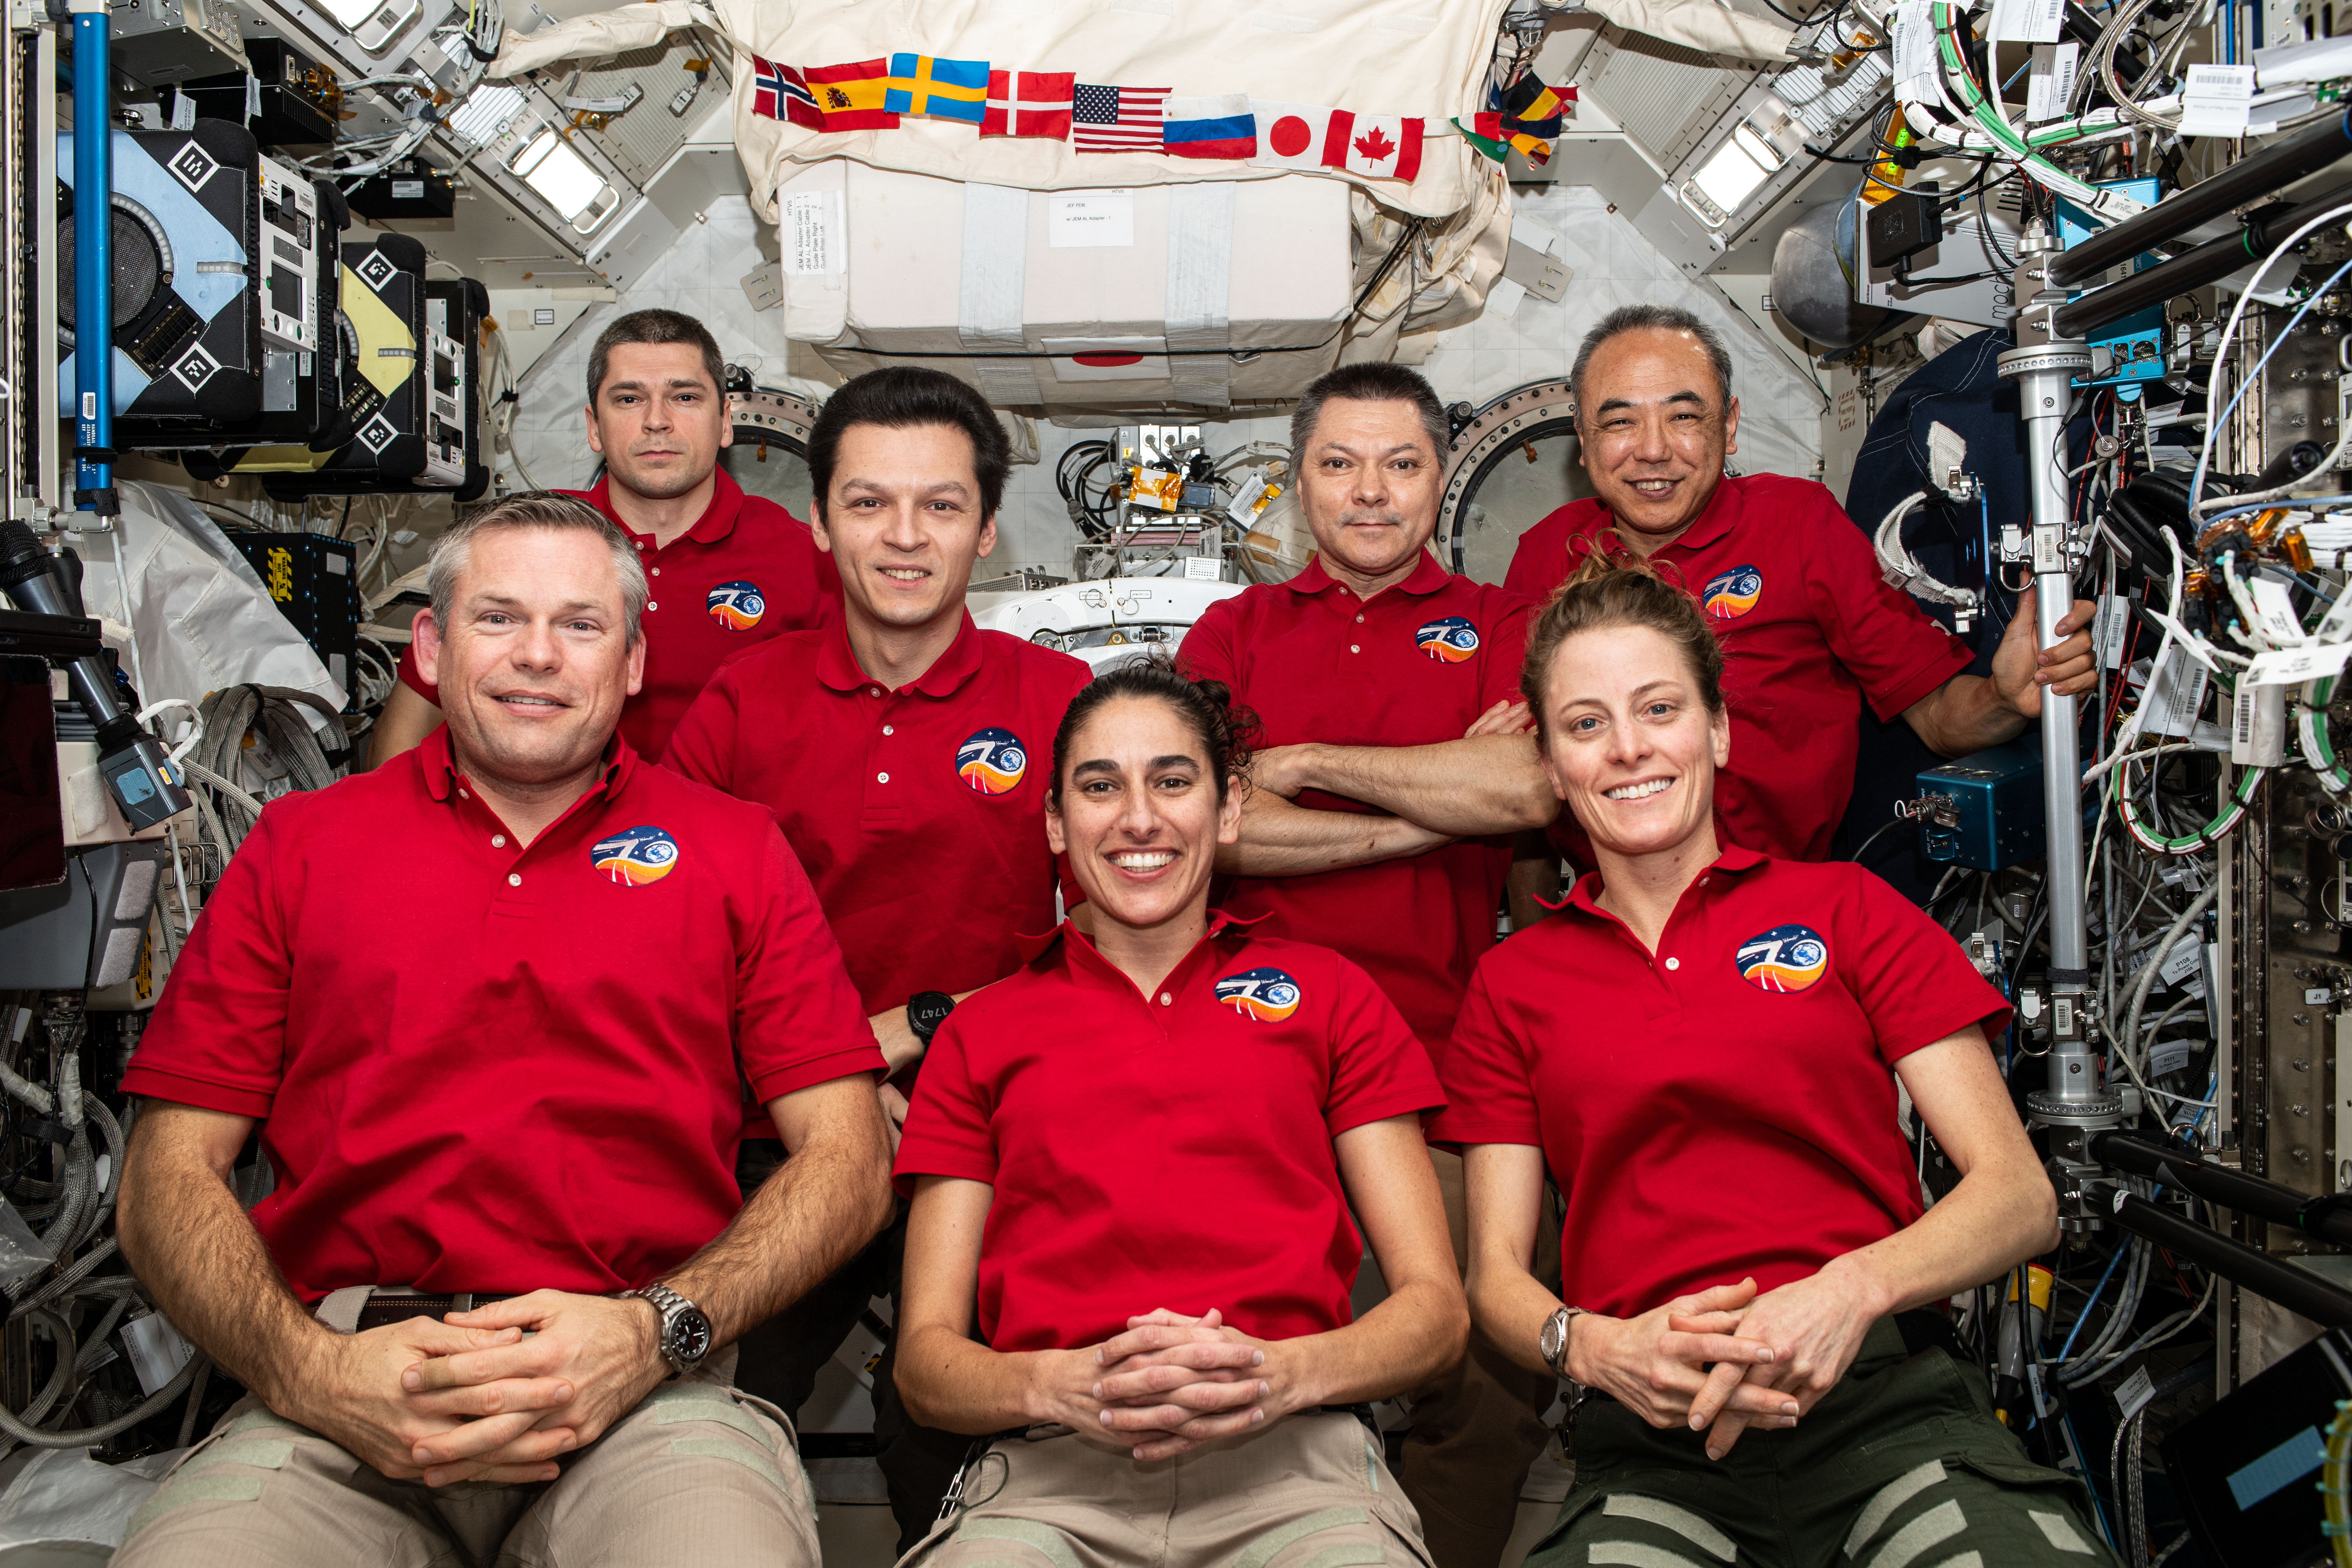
[1902, 1463]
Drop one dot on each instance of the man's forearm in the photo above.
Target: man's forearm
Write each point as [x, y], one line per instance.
[1281, 838]
[184, 1234]
[1963, 715]
[826, 1202]
[1485, 784]
[896, 1036]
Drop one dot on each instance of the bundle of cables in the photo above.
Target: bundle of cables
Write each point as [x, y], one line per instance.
[472, 40]
[55, 1286]
[1093, 505]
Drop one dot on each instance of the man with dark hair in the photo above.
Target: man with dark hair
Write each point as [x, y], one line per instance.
[1376, 645]
[726, 569]
[498, 1011]
[1808, 627]
[903, 750]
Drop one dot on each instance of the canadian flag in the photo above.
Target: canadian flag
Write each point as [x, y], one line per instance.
[1380, 146]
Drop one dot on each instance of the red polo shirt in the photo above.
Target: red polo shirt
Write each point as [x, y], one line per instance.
[1809, 629]
[480, 1067]
[919, 809]
[1727, 1107]
[747, 571]
[1170, 1150]
[1414, 665]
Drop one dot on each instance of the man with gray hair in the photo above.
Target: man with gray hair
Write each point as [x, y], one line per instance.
[501, 1012]
[1810, 630]
[732, 569]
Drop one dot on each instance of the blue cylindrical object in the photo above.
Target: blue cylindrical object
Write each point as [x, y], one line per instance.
[93, 153]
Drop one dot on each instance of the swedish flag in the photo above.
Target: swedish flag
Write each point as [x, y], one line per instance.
[938, 89]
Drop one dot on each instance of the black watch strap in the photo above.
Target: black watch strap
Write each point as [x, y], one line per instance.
[926, 1011]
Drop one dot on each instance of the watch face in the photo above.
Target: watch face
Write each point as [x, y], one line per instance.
[931, 1008]
[689, 1336]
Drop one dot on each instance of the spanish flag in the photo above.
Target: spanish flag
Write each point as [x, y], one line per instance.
[851, 96]
[935, 88]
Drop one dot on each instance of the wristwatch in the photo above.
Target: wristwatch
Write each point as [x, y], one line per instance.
[685, 1331]
[926, 1011]
[1553, 1343]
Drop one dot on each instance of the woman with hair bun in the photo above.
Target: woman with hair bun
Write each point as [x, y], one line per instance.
[1703, 1046]
[1132, 1164]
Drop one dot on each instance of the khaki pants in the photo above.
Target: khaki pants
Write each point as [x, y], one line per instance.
[697, 1476]
[1311, 1489]
[1477, 1426]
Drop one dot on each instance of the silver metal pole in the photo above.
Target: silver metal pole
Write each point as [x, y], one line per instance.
[2044, 369]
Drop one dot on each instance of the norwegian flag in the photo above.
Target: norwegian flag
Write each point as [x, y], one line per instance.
[779, 94]
[1381, 146]
[1029, 103]
[1116, 119]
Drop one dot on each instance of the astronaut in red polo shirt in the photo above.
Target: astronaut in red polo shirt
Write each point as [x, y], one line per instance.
[1810, 630]
[1133, 1163]
[1376, 646]
[903, 751]
[1702, 1050]
[724, 570]
[499, 1011]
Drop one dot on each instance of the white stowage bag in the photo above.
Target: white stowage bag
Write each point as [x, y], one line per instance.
[1423, 58]
[1700, 24]
[64, 1508]
[197, 613]
[1238, 282]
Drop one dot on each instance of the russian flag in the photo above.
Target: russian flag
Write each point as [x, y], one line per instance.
[1220, 127]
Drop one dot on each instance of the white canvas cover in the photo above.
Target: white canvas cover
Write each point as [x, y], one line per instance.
[1199, 284]
[1426, 58]
[1703, 24]
[203, 620]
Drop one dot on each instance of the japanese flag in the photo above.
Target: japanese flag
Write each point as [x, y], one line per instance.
[1380, 146]
[1290, 135]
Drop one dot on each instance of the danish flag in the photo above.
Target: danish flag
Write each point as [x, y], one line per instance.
[1029, 103]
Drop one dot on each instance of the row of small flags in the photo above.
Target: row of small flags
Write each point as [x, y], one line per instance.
[873, 95]
[1526, 114]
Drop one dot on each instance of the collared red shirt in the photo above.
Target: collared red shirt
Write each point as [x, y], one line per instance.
[747, 571]
[1809, 629]
[1165, 1151]
[919, 812]
[482, 1067]
[1725, 1106]
[1414, 665]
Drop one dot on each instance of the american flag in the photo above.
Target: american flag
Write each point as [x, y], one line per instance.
[1116, 119]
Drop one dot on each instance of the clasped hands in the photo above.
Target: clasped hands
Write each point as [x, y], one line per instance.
[1167, 1385]
[475, 1398]
[1725, 1359]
